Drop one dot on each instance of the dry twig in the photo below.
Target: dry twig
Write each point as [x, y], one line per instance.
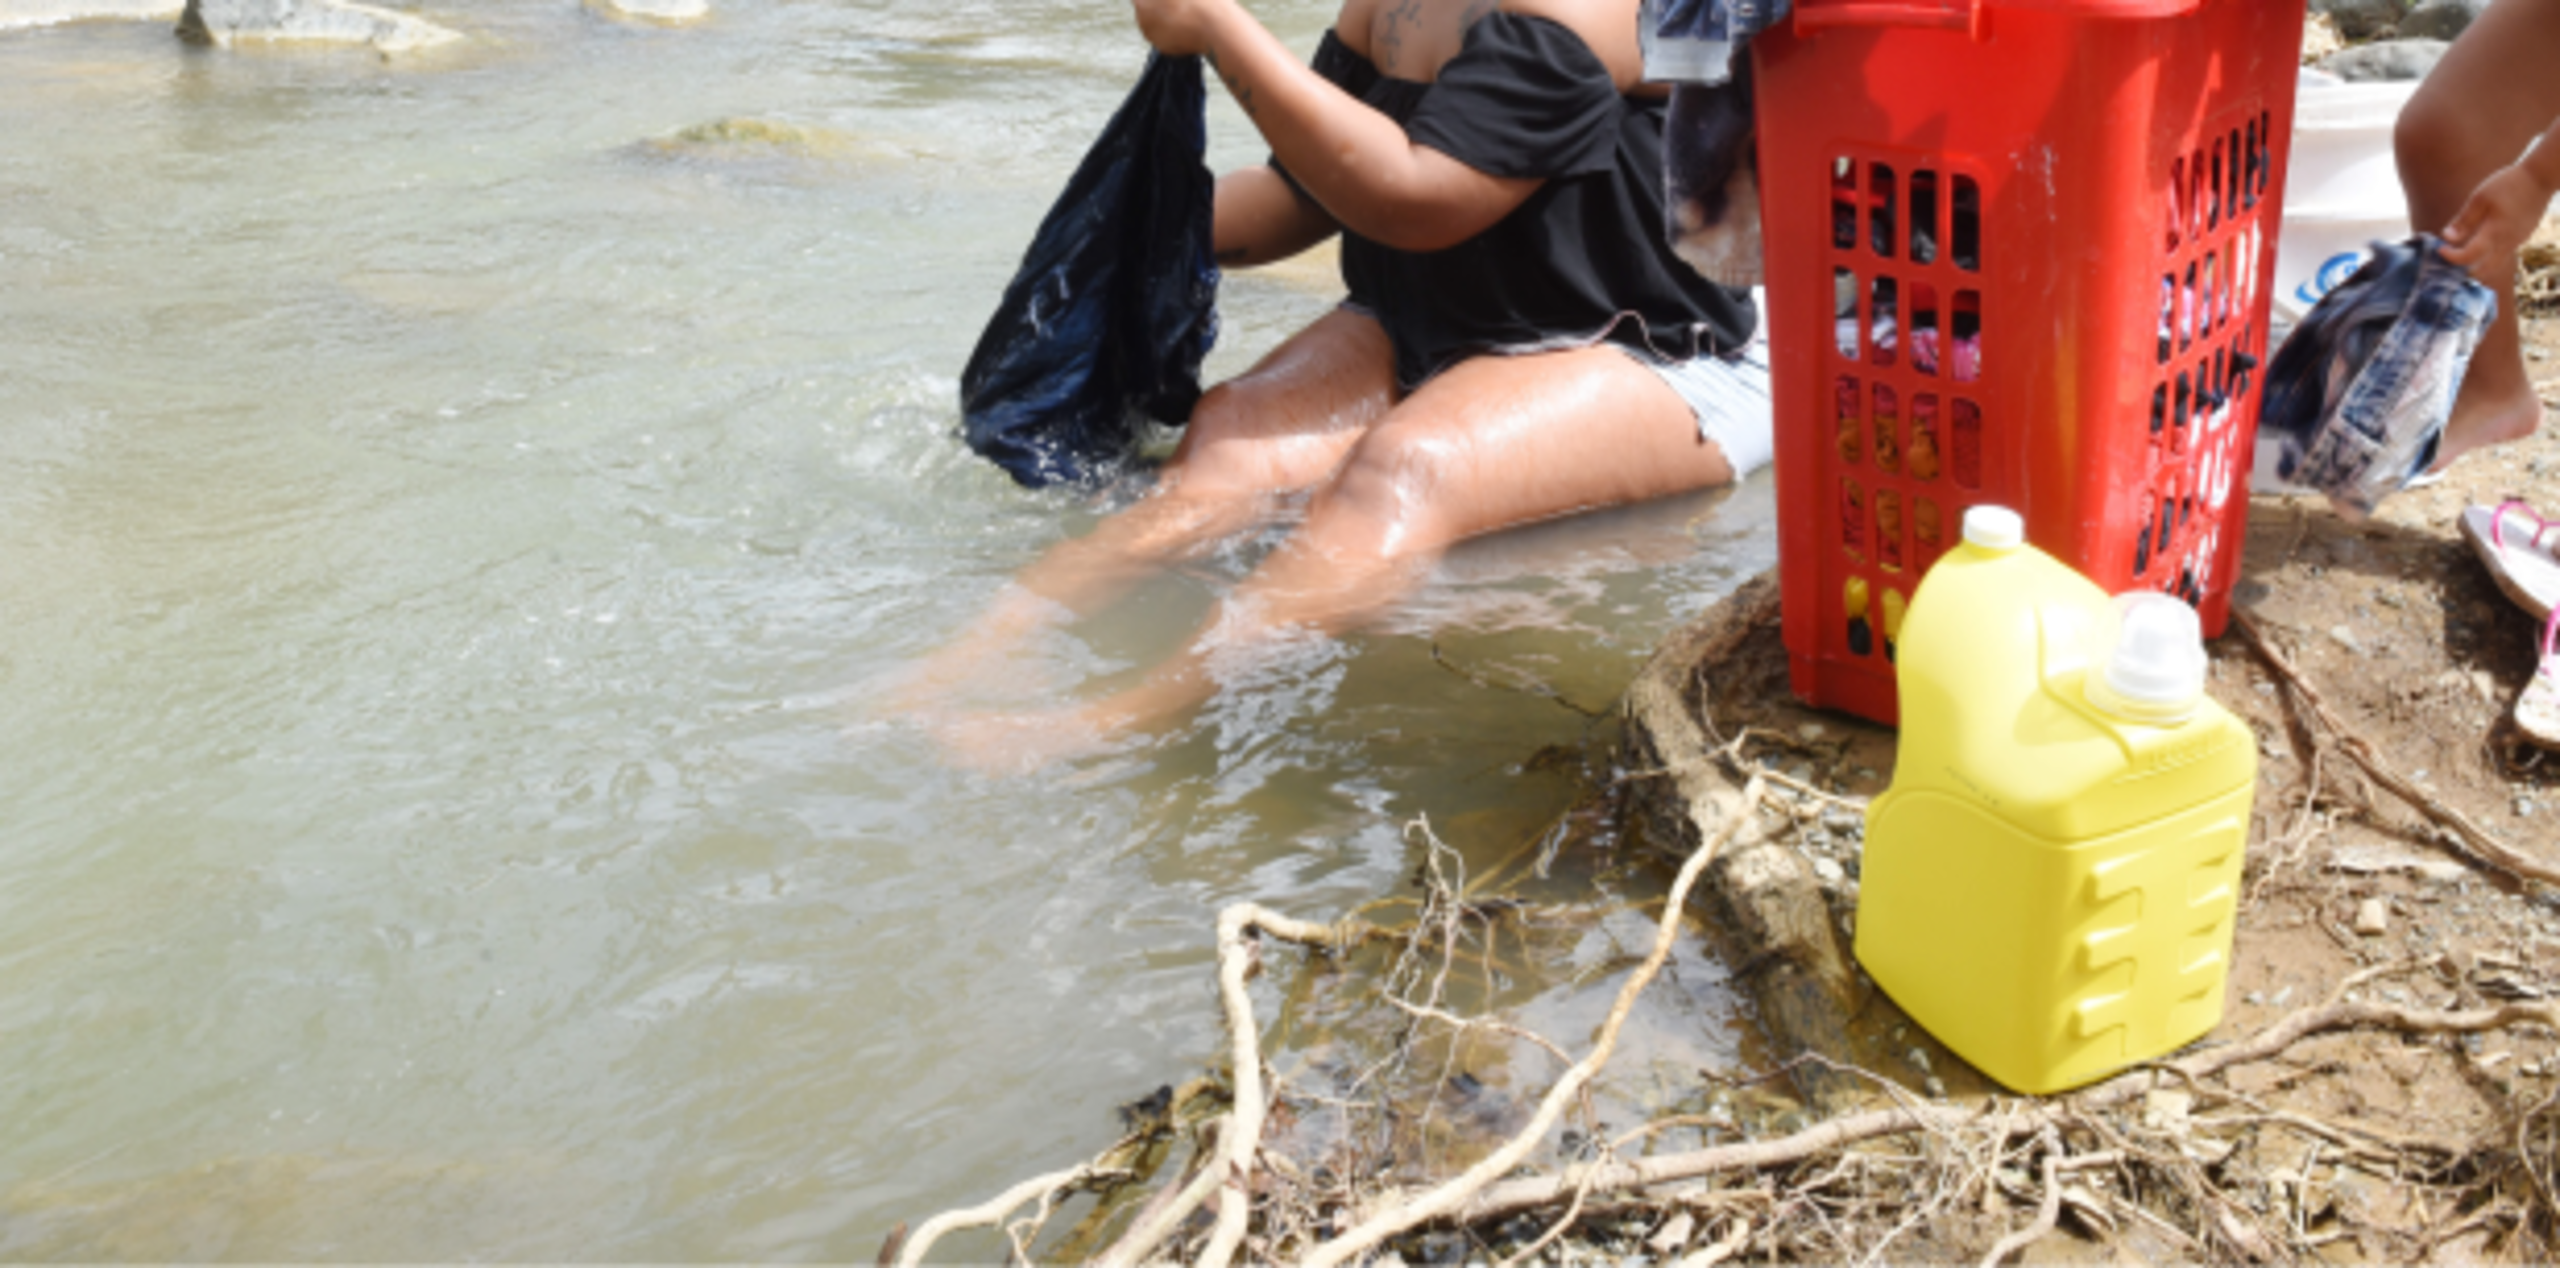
[2482, 846]
[993, 1211]
[1447, 1198]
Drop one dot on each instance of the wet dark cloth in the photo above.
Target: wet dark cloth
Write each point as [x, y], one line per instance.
[1114, 306]
[1701, 41]
[1711, 162]
[1584, 258]
[2358, 396]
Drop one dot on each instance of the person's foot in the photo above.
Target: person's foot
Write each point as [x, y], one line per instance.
[1014, 744]
[2483, 419]
[996, 658]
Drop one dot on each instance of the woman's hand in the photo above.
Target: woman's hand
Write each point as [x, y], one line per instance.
[1178, 28]
[2501, 214]
[2505, 209]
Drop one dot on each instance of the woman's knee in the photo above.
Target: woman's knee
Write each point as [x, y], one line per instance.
[2429, 143]
[1395, 492]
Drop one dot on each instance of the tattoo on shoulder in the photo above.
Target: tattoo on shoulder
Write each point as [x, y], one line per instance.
[1391, 41]
[1477, 10]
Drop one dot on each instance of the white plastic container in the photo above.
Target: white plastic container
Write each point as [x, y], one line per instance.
[2342, 190]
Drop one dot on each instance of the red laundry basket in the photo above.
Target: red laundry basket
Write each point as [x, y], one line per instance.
[2018, 251]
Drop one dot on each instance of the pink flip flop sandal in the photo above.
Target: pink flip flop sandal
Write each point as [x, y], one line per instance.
[2517, 546]
[2538, 709]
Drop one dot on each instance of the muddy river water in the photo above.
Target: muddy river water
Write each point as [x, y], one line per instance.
[446, 532]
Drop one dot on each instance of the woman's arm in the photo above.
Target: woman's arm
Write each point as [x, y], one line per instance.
[2507, 207]
[1260, 219]
[1356, 162]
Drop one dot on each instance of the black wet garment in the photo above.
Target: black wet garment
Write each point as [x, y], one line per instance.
[1115, 303]
[1584, 258]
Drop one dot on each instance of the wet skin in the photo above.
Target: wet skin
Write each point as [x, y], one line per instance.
[1389, 480]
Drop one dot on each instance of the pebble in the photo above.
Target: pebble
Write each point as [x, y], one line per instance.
[2373, 919]
[2524, 807]
[1920, 1059]
[2346, 638]
[1937, 1086]
[1811, 731]
[1829, 871]
[2282, 996]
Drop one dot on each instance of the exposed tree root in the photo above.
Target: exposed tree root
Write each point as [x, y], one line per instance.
[2137, 1148]
[2477, 842]
[2173, 1156]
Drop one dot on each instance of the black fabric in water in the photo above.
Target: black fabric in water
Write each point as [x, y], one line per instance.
[1115, 303]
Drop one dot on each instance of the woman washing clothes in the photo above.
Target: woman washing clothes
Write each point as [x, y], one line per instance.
[1518, 342]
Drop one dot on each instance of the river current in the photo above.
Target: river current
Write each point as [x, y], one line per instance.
[449, 526]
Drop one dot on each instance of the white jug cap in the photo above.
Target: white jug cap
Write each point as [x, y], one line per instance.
[2155, 671]
[1994, 528]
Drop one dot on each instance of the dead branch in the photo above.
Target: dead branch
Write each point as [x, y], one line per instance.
[1233, 1166]
[2048, 1210]
[1161, 1216]
[1726, 1247]
[1572, 1212]
[993, 1211]
[2482, 847]
[1451, 1196]
[1516, 1196]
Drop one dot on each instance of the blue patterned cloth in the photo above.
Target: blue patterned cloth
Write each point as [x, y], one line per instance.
[1695, 41]
[2358, 396]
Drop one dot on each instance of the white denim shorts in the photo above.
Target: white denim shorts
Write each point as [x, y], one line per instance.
[1729, 393]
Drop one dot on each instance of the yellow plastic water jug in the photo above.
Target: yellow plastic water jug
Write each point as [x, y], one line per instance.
[2050, 881]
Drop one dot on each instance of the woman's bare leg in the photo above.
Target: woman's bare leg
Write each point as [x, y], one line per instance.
[1491, 443]
[2496, 89]
[1280, 428]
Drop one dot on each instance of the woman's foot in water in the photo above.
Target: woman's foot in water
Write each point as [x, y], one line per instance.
[993, 660]
[1015, 744]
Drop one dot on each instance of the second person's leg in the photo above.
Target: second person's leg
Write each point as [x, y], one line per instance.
[2496, 89]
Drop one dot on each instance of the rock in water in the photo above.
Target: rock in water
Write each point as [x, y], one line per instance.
[223, 23]
[29, 13]
[661, 12]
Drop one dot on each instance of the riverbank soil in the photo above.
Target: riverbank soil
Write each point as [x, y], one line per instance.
[2403, 828]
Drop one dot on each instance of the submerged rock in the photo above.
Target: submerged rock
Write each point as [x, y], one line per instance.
[224, 23]
[15, 14]
[751, 141]
[660, 12]
[749, 134]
